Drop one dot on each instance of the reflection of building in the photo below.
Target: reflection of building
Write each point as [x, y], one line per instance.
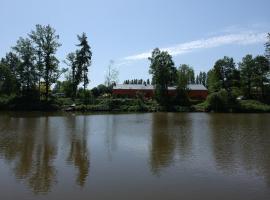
[195, 91]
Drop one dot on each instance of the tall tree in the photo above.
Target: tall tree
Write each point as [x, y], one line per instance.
[9, 75]
[213, 82]
[84, 59]
[73, 77]
[185, 76]
[226, 72]
[8, 82]
[46, 42]
[267, 47]
[262, 74]
[27, 69]
[163, 71]
[247, 67]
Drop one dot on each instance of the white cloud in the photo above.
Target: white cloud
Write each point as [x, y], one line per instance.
[245, 38]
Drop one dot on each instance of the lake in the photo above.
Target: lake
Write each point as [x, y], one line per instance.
[155, 156]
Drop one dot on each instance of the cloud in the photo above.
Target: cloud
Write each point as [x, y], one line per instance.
[245, 38]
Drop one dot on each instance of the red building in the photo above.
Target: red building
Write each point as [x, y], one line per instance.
[195, 91]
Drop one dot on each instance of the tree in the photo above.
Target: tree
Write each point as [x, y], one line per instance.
[84, 58]
[261, 74]
[111, 76]
[247, 67]
[8, 82]
[185, 76]
[213, 82]
[162, 68]
[8, 74]
[226, 73]
[75, 75]
[46, 43]
[26, 70]
[267, 47]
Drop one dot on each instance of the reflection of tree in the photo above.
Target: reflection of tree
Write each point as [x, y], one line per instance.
[31, 149]
[183, 132]
[43, 173]
[163, 143]
[78, 150]
[168, 132]
[242, 141]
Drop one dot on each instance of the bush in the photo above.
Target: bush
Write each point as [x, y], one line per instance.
[218, 101]
[253, 106]
[202, 107]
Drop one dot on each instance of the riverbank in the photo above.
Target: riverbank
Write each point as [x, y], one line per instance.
[123, 105]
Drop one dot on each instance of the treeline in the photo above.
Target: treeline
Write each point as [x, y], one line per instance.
[137, 82]
[226, 81]
[31, 67]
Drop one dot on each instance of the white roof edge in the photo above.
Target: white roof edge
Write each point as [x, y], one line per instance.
[151, 87]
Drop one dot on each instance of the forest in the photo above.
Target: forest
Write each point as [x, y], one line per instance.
[31, 79]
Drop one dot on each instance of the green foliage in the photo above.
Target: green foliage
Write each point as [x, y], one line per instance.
[222, 101]
[201, 79]
[213, 82]
[164, 74]
[101, 90]
[202, 107]
[218, 101]
[46, 44]
[26, 70]
[8, 82]
[261, 75]
[83, 59]
[74, 76]
[185, 76]
[247, 74]
[226, 73]
[253, 106]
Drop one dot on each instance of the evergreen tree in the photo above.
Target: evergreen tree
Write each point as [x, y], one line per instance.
[84, 59]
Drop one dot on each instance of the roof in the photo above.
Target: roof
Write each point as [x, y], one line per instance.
[151, 87]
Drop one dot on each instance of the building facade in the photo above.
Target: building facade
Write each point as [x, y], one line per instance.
[195, 91]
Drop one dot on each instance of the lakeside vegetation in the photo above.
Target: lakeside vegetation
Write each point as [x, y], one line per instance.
[30, 80]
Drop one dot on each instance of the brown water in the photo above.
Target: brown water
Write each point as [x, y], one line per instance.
[137, 156]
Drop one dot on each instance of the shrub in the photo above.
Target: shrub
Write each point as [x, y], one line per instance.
[253, 106]
[218, 101]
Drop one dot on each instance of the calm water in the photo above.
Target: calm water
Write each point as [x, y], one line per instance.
[136, 156]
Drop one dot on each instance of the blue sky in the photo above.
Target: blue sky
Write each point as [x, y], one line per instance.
[194, 32]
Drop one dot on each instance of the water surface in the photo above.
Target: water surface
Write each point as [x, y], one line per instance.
[134, 156]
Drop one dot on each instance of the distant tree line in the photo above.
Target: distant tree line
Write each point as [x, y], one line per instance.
[137, 82]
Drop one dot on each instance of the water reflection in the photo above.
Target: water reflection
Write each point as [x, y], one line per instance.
[27, 146]
[171, 137]
[78, 153]
[241, 142]
[213, 154]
